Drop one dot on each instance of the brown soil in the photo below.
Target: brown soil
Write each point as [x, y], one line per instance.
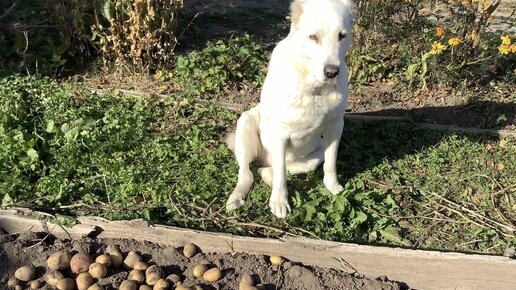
[30, 248]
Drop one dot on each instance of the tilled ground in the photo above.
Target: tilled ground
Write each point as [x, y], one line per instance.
[29, 248]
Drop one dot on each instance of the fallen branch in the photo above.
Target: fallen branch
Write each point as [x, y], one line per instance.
[473, 213]
[9, 10]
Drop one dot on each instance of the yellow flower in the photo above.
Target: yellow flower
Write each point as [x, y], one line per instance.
[513, 48]
[454, 41]
[486, 5]
[506, 40]
[504, 49]
[473, 36]
[437, 48]
[439, 31]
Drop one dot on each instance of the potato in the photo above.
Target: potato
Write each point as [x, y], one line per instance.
[137, 276]
[104, 259]
[127, 285]
[116, 256]
[25, 273]
[59, 261]
[131, 259]
[246, 283]
[153, 274]
[13, 282]
[65, 284]
[199, 270]
[18, 287]
[260, 287]
[84, 281]
[145, 287]
[140, 265]
[190, 250]
[98, 270]
[96, 287]
[197, 287]
[80, 263]
[174, 278]
[181, 287]
[52, 277]
[276, 260]
[212, 275]
[161, 284]
[35, 284]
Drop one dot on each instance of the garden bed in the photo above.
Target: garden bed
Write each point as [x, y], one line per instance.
[312, 263]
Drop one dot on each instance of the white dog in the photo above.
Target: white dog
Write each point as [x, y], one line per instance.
[298, 123]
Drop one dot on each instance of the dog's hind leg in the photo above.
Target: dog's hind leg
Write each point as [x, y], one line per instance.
[247, 147]
[266, 175]
[302, 165]
[307, 163]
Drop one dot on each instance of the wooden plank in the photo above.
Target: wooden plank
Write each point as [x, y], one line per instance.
[419, 269]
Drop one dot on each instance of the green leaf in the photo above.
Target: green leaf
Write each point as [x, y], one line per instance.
[391, 234]
[7, 200]
[341, 204]
[105, 9]
[33, 154]
[146, 214]
[64, 220]
[360, 217]
[310, 210]
[50, 126]
[20, 42]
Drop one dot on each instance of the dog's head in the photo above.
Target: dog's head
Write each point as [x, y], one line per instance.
[321, 31]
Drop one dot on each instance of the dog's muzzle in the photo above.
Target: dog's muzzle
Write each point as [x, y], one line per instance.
[331, 71]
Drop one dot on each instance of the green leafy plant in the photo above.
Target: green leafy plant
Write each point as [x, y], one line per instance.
[221, 64]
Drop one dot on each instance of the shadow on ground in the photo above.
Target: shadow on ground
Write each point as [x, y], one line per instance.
[202, 21]
[477, 114]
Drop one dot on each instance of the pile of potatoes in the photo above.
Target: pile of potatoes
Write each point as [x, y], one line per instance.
[142, 276]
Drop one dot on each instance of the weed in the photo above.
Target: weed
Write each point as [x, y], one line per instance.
[73, 153]
[220, 64]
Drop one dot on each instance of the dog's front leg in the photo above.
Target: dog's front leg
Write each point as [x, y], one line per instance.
[279, 196]
[331, 137]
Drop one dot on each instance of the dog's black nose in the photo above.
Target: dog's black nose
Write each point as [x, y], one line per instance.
[331, 71]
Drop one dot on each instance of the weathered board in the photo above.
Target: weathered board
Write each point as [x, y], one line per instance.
[419, 269]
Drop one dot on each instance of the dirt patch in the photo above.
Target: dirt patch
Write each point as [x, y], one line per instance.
[441, 105]
[29, 248]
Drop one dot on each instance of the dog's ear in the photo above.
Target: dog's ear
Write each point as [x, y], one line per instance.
[296, 9]
[350, 19]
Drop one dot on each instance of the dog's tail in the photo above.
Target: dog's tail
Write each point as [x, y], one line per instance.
[230, 141]
[245, 141]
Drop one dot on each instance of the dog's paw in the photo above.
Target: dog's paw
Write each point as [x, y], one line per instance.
[334, 187]
[279, 207]
[235, 201]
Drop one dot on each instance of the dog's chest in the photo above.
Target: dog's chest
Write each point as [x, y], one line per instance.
[307, 114]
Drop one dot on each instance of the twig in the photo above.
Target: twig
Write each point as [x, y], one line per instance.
[21, 231]
[256, 225]
[72, 206]
[230, 245]
[307, 232]
[10, 9]
[39, 242]
[344, 265]
[507, 227]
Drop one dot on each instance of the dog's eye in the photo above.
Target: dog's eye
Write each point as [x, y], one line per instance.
[342, 35]
[314, 37]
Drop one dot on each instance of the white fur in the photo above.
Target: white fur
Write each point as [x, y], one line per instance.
[298, 105]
